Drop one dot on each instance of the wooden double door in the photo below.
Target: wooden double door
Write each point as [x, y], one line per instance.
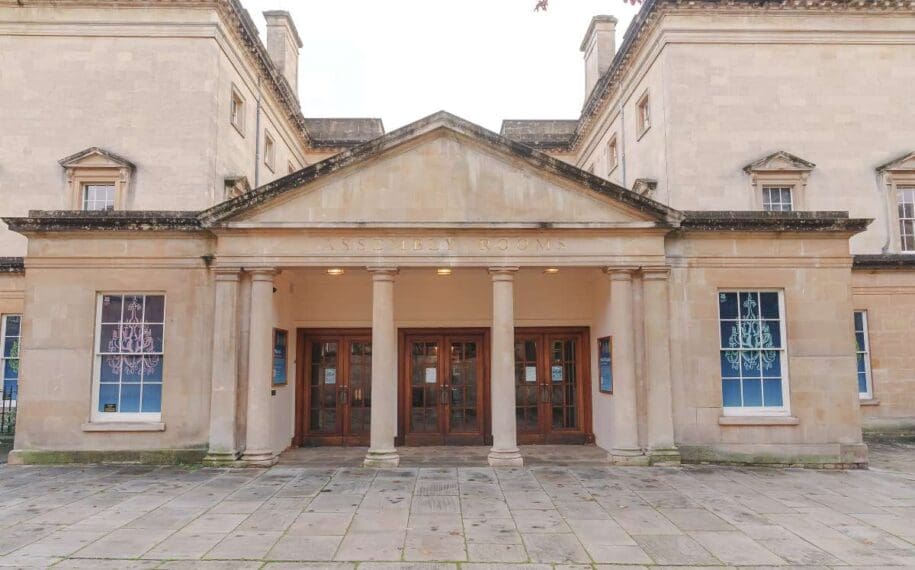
[443, 399]
[334, 395]
[552, 387]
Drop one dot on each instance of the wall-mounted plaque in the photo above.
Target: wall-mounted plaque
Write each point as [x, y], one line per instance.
[280, 353]
[605, 364]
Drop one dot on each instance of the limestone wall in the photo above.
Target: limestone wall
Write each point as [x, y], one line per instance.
[889, 299]
[58, 338]
[815, 276]
[729, 88]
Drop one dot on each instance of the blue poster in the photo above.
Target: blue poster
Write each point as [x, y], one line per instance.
[279, 356]
[605, 365]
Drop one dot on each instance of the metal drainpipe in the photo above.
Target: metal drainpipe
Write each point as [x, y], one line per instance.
[257, 137]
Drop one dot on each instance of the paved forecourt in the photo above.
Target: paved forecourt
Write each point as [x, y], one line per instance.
[470, 517]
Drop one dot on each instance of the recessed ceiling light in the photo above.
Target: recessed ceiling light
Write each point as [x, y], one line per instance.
[335, 271]
[443, 271]
[551, 270]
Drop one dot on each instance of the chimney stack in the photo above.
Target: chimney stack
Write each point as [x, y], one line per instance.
[283, 45]
[599, 47]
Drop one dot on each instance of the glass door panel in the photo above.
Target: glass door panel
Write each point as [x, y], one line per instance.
[464, 381]
[564, 383]
[527, 385]
[424, 387]
[324, 414]
[359, 387]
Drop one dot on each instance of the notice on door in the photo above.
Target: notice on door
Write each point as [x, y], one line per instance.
[431, 375]
[556, 373]
[530, 374]
[330, 375]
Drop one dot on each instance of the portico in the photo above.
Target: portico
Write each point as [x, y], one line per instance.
[441, 285]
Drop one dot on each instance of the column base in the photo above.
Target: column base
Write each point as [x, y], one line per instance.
[505, 458]
[221, 459]
[258, 459]
[667, 456]
[381, 459]
[628, 458]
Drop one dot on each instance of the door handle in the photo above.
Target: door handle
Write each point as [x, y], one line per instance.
[343, 396]
[545, 394]
[445, 399]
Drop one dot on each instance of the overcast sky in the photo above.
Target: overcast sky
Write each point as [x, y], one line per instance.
[484, 60]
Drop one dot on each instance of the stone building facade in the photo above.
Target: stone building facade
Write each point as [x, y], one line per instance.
[710, 264]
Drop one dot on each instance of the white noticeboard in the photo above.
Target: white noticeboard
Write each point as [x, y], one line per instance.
[556, 372]
[330, 375]
[431, 375]
[530, 374]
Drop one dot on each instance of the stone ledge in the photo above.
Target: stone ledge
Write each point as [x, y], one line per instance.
[758, 421]
[145, 457]
[123, 426]
[870, 402]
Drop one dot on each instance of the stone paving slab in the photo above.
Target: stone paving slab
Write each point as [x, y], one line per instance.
[581, 514]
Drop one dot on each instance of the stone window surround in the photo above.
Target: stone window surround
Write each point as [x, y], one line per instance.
[119, 421]
[83, 169]
[613, 154]
[643, 115]
[269, 151]
[237, 102]
[899, 173]
[763, 416]
[783, 170]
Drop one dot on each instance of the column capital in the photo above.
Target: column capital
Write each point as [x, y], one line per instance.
[226, 273]
[503, 273]
[657, 273]
[383, 272]
[620, 273]
[262, 273]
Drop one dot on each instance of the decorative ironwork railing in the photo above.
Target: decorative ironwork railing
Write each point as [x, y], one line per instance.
[8, 412]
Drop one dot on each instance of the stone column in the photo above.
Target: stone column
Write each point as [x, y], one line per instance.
[505, 452]
[382, 452]
[626, 449]
[258, 448]
[224, 384]
[661, 447]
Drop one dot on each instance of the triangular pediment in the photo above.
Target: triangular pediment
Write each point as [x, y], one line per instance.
[780, 161]
[95, 157]
[441, 170]
[904, 162]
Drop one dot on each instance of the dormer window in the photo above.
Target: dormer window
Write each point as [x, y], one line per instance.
[97, 180]
[778, 182]
[899, 177]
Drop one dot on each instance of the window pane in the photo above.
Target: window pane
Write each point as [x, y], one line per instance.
[730, 364]
[859, 321]
[862, 382]
[730, 389]
[152, 398]
[771, 361]
[752, 392]
[110, 369]
[770, 335]
[750, 365]
[111, 308]
[12, 325]
[727, 305]
[730, 334]
[108, 398]
[773, 393]
[749, 305]
[768, 302]
[155, 309]
[11, 369]
[130, 398]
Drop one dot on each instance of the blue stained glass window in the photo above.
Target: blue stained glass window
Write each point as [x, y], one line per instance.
[11, 329]
[752, 346]
[130, 356]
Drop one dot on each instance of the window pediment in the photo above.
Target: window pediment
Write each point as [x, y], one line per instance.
[97, 179]
[780, 161]
[905, 163]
